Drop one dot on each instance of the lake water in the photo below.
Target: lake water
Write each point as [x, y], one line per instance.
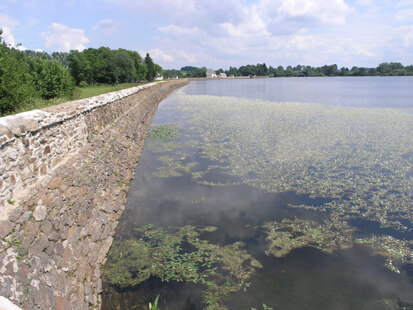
[295, 193]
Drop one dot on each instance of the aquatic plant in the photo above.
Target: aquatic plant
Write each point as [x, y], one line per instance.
[172, 167]
[329, 237]
[164, 132]
[181, 256]
[358, 157]
[360, 160]
[264, 307]
[155, 304]
[287, 235]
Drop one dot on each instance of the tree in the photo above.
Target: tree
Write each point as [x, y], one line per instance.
[233, 71]
[219, 71]
[50, 78]
[189, 68]
[79, 67]
[151, 73]
[140, 68]
[124, 67]
[16, 85]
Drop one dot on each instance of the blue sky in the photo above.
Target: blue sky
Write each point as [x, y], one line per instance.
[220, 33]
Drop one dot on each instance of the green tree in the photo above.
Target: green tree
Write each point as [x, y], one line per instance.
[79, 67]
[151, 73]
[124, 66]
[140, 68]
[16, 85]
[50, 78]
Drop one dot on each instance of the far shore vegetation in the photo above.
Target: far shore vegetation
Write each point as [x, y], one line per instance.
[31, 80]
[383, 69]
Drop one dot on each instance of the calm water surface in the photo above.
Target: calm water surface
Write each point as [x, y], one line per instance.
[377, 91]
[212, 194]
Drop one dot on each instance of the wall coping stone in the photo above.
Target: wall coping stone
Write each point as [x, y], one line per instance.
[6, 304]
[19, 125]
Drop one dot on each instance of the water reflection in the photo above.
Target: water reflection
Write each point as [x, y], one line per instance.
[198, 187]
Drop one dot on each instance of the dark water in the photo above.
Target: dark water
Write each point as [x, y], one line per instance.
[304, 279]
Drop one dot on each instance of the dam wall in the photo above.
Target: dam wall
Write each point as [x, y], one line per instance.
[64, 178]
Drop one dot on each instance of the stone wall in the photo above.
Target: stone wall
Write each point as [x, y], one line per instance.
[32, 143]
[64, 178]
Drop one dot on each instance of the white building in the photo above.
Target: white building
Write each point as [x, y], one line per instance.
[210, 74]
[222, 75]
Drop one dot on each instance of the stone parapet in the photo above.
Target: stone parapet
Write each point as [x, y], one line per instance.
[33, 143]
[66, 173]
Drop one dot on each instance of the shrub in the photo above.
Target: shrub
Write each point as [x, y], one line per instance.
[16, 85]
[51, 79]
[83, 84]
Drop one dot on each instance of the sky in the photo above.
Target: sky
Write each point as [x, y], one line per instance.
[220, 33]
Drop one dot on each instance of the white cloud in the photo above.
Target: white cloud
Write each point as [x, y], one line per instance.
[220, 33]
[108, 26]
[63, 39]
[405, 33]
[8, 36]
[180, 31]
[405, 14]
[159, 56]
[359, 49]
[7, 24]
[188, 57]
[333, 12]
[7, 21]
[365, 2]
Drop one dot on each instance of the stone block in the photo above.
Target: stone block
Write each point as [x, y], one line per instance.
[5, 228]
[61, 303]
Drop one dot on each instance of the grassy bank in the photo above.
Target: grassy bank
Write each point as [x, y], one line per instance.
[79, 93]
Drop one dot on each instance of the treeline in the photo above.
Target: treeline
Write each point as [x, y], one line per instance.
[185, 72]
[26, 76]
[23, 78]
[106, 66]
[384, 69]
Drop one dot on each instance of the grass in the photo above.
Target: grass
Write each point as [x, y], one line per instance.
[79, 93]
[91, 91]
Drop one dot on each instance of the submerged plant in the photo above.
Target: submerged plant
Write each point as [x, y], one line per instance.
[181, 256]
[329, 237]
[155, 304]
[165, 132]
[359, 160]
[264, 307]
[287, 235]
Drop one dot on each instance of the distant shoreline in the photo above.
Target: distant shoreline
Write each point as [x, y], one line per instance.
[291, 77]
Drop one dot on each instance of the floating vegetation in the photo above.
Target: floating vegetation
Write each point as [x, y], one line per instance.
[172, 167]
[264, 307]
[355, 163]
[358, 159]
[288, 235]
[164, 132]
[356, 156]
[181, 256]
[390, 248]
